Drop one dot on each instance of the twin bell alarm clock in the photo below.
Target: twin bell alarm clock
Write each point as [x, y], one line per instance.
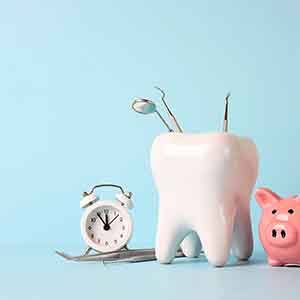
[106, 225]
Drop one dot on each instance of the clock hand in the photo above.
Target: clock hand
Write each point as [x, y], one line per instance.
[113, 219]
[106, 225]
[98, 214]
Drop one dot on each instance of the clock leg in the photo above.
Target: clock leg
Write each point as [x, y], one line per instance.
[87, 251]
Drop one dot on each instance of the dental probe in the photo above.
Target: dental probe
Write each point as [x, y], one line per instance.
[174, 120]
[225, 121]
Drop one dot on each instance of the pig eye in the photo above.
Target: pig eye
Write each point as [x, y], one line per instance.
[290, 211]
[274, 211]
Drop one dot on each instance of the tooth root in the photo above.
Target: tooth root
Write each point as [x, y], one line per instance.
[169, 236]
[216, 236]
[242, 243]
[216, 250]
[191, 245]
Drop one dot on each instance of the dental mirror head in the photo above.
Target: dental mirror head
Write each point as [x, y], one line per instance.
[146, 107]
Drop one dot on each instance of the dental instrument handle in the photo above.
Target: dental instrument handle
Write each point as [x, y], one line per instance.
[164, 121]
[174, 120]
[225, 120]
[133, 255]
[179, 129]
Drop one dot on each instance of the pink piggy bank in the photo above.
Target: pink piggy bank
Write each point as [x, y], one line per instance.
[279, 227]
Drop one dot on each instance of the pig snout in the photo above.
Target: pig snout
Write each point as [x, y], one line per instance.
[281, 234]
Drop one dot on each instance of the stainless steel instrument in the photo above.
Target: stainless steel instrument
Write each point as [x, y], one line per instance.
[125, 255]
[174, 120]
[225, 120]
[145, 107]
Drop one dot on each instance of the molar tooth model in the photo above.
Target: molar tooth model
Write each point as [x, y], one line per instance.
[279, 227]
[204, 183]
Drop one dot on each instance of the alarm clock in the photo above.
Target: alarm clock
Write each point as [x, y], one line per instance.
[106, 225]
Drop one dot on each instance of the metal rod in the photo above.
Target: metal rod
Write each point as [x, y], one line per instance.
[164, 121]
[106, 185]
[88, 250]
[174, 120]
[121, 254]
[131, 255]
[225, 120]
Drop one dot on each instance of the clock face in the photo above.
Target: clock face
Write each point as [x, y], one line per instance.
[107, 228]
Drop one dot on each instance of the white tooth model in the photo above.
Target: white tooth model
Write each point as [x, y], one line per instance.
[204, 183]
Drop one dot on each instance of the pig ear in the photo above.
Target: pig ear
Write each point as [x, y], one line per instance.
[297, 198]
[265, 197]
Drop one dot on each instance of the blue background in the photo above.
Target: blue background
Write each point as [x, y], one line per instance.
[69, 71]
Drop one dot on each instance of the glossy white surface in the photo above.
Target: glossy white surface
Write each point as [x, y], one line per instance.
[126, 201]
[122, 236]
[88, 200]
[204, 183]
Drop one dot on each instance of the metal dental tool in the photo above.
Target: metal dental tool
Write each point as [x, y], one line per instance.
[225, 120]
[175, 122]
[145, 107]
[130, 255]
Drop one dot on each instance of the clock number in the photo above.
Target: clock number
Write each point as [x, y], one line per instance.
[90, 228]
[106, 243]
[115, 241]
[121, 219]
[123, 227]
[93, 220]
[106, 211]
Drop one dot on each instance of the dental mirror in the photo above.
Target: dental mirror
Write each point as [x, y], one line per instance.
[146, 107]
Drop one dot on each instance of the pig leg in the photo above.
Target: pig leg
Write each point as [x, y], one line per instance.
[274, 262]
[191, 245]
[242, 243]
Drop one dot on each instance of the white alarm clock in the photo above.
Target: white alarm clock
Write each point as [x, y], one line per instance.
[106, 225]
